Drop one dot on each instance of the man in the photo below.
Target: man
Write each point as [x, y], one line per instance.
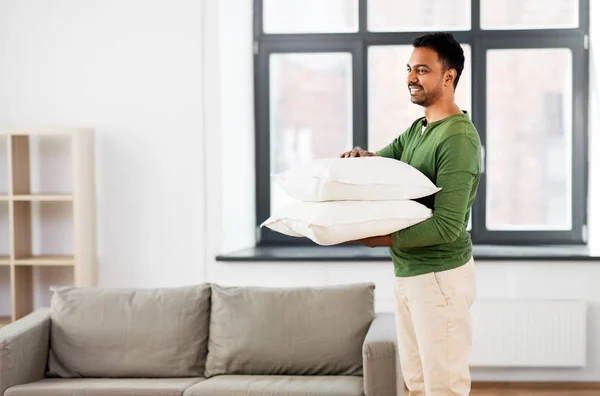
[435, 283]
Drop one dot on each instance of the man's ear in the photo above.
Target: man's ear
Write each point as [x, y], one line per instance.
[450, 76]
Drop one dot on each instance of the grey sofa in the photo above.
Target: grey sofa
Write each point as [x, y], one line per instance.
[203, 340]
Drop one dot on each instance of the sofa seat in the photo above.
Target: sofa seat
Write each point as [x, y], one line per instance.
[277, 385]
[104, 387]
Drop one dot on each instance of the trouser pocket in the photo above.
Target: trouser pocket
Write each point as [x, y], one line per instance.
[457, 285]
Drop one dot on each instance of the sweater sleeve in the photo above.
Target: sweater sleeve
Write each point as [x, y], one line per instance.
[457, 166]
[394, 149]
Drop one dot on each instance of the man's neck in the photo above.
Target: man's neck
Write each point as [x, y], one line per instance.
[441, 110]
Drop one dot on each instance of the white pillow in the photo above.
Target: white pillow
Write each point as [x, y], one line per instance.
[359, 179]
[330, 223]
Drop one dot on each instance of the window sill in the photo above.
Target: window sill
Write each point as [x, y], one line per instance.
[362, 253]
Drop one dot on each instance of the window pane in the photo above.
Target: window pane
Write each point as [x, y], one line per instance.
[390, 110]
[310, 16]
[421, 15]
[529, 131]
[529, 14]
[311, 110]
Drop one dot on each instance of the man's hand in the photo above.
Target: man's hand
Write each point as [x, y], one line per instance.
[357, 152]
[376, 241]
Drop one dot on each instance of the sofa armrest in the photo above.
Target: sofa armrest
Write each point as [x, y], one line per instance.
[381, 363]
[24, 349]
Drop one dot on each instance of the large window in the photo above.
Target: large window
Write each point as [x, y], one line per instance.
[330, 75]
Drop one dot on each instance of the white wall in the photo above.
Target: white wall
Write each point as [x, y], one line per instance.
[132, 70]
[229, 148]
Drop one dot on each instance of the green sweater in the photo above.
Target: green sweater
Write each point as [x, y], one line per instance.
[448, 152]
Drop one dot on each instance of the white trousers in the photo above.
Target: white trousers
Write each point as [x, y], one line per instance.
[433, 322]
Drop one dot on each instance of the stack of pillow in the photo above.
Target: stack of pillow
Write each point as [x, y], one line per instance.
[337, 200]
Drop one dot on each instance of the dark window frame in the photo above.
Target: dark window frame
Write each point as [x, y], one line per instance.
[480, 41]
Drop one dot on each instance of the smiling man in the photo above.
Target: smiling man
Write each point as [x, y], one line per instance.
[433, 264]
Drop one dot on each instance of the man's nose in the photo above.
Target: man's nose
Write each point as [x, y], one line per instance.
[411, 77]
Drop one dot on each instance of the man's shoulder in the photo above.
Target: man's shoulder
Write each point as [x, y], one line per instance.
[462, 126]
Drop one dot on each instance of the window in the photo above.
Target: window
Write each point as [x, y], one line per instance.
[329, 75]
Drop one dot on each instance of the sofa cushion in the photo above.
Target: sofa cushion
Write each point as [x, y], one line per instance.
[250, 385]
[297, 331]
[104, 387]
[116, 333]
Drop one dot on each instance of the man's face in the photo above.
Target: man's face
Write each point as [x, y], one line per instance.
[425, 77]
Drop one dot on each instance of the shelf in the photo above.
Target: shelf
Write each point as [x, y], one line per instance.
[41, 165]
[5, 320]
[44, 232]
[47, 216]
[43, 197]
[46, 260]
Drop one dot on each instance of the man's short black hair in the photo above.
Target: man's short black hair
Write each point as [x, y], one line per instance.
[449, 51]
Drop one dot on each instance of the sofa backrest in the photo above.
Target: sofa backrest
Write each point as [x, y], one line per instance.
[283, 331]
[161, 332]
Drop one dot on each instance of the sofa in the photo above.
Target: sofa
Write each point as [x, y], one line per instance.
[203, 340]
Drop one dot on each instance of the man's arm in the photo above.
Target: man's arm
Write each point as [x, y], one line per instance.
[394, 149]
[457, 168]
[376, 241]
[458, 165]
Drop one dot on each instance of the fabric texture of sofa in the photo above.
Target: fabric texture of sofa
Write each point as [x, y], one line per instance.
[203, 340]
